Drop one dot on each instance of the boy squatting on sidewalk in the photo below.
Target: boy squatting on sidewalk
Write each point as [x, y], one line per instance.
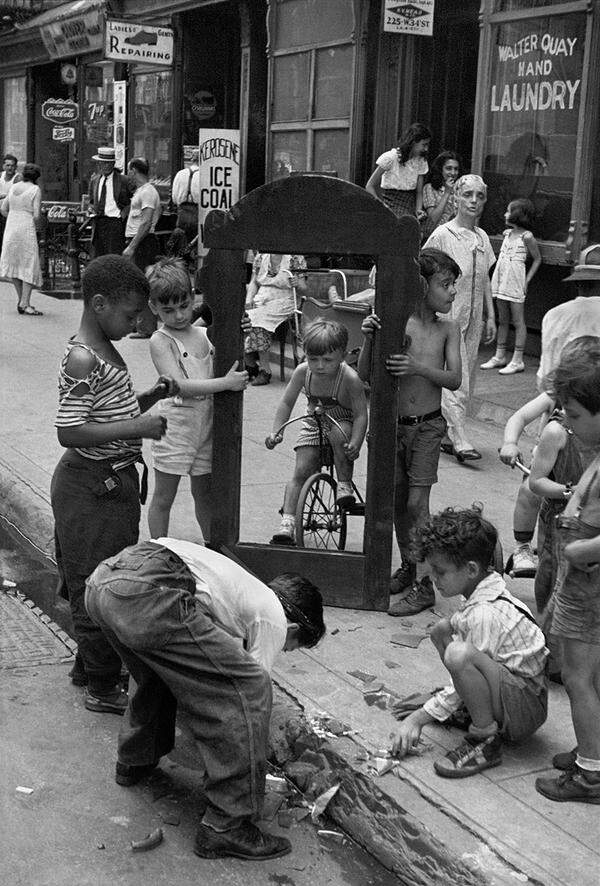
[575, 383]
[428, 361]
[492, 647]
[199, 632]
[95, 488]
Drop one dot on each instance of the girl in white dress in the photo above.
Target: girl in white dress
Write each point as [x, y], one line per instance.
[400, 173]
[509, 284]
[20, 258]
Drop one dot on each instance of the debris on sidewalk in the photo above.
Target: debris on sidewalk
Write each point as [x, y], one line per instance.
[322, 802]
[170, 817]
[325, 726]
[23, 790]
[150, 841]
[331, 837]
[407, 638]
[276, 784]
[361, 675]
[392, 664]
[271, 806]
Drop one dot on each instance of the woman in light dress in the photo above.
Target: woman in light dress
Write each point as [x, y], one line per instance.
[20, 258]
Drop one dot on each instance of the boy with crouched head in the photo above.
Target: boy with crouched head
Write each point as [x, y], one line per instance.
[492, 647]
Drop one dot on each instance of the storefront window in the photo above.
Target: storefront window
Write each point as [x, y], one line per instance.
[511, 5]
[152, 109]
[312, 87]
[15, 117]
[98, 116]
[532, 116]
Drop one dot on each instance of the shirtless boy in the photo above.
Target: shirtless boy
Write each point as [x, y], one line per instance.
[429, 361]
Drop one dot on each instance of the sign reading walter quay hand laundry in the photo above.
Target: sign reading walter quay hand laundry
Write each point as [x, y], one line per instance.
[128, 42]
[412, 17]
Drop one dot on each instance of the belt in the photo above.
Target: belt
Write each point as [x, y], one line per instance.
[418, 419]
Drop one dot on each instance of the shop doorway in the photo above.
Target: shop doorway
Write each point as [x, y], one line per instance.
[447, 78]
[55, 158]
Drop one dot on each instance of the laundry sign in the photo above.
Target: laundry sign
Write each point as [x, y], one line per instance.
[131, 43]
[414, 17]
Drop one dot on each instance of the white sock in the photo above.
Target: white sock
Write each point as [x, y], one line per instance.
[588, 764]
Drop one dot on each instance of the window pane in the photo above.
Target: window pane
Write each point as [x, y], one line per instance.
[15, 118]
[532, 117]
[331, 151]
[510, 5]
[288, 153]
[152, 126]
[302, 22]
[333, 85]
[98, 117]
[290, 87]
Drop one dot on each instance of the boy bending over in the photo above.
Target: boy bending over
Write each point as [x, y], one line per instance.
[492, 648]
[428, 361]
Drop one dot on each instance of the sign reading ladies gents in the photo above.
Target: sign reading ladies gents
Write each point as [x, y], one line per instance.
[129, 42]
[219, 184]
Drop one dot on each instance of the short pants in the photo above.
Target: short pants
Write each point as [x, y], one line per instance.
[418, 451]
[186, 448]
[524, 704]
[309, 431]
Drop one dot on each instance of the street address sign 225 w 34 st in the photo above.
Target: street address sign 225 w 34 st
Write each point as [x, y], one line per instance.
[128, 42]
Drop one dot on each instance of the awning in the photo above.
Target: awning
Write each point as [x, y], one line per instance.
[60, 13]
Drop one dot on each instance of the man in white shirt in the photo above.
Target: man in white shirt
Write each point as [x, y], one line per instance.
[141, 243]
[8, 177]
[196, 629]
[185, 194]
[109, 201]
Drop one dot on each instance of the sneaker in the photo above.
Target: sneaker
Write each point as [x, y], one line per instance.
[420, 596]
[402, 578]
[513, 367]
[523, 562]
[494, 363]
[287, 532]
[261, 378]
[565, 761]
[127, 775]
[112, 703]
[344, 496]
[570, 786]
[472, 756]
[243, 841]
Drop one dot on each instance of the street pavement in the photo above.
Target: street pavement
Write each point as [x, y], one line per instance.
[495, 824]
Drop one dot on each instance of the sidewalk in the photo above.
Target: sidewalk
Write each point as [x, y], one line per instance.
[491, 829]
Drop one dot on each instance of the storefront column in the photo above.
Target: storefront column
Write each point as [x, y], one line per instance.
[253, 88]
[395, 90]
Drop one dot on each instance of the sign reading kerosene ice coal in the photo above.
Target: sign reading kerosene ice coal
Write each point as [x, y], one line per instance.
[219, 161]
[143, 44]
[414, 17]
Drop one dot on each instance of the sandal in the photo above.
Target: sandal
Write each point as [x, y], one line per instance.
[463, 455]
[30, 311]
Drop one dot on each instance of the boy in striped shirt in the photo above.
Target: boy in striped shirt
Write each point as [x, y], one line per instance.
[492, 647]
[95, 489]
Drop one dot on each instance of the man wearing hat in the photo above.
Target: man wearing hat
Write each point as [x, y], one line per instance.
[110, 195]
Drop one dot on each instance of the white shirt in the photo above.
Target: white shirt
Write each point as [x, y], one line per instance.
[6, 184]
[238, 602]
[499, 630]
[145, 197]
[401, 176]
[561, 325]
[179, 191]
[111, 210]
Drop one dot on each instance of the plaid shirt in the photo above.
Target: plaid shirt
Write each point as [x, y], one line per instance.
[497, 628]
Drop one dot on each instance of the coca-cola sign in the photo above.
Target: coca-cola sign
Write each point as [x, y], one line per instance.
[60, 110]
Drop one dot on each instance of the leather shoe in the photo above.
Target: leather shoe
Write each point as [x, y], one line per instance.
[244, 841]
[463, 455]
[127, 775]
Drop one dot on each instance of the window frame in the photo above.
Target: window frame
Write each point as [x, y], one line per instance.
[553, 252]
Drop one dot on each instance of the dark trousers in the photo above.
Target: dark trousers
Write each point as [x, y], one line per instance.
[91, 523]
[146, 254]
[143, 599]
[108, 237]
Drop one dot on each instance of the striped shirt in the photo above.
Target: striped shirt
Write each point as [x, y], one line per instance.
[497, 628]
[108, 397]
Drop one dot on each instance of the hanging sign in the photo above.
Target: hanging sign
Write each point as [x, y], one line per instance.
[144, 44]
[60, 110]
[219, 176]
[119, 94]
[76, 34]
[415, 17]
[63, 133]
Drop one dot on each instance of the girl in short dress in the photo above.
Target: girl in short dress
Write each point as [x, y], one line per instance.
[400, 173]
[509, 284]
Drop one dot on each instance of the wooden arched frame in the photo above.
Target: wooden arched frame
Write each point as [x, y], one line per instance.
[310, 214]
